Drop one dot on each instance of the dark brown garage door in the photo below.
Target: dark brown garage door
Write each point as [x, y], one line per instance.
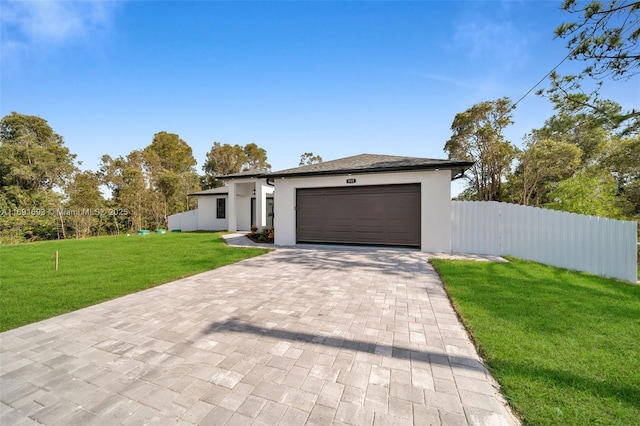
[381, 214]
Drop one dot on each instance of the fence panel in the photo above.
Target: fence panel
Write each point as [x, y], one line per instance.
[186, 221]
[597, 245]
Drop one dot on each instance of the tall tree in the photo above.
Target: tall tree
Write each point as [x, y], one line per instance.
[543, 163]
[173, 153]
[171, 166]
[587, 129]
[256, 158]
[126, 178]
[34, 164]
[225, 159]
[588, 192]
[605, 37]
[32, 156]
[308, 158]
[85, 200]
[622, 161]
[478, 136]
[549, 173]
[566, 93]
[152, 183]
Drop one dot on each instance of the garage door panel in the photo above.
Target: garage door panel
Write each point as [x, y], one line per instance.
[335, 235]
[335, 212]
[368, 223]
[381, 214]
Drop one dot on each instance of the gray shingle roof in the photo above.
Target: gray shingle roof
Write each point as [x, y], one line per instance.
[213, 191]
[246, 173]
[372, 163]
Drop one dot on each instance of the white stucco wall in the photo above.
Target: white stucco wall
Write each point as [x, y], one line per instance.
[435, 203]
[207, 220]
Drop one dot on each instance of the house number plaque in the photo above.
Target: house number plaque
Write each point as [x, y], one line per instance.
[351, 181]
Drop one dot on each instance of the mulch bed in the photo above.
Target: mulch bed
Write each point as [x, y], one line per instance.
[255, 239]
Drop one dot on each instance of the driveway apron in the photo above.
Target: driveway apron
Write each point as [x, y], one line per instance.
[296, 336]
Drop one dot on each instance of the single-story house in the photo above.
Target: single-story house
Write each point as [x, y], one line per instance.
[364, 199]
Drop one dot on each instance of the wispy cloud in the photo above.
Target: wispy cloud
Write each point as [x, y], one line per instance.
[461, 83]
[29, 25]
[475, 86]
[496, 39]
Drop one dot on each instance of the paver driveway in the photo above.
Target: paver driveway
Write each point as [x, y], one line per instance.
[315, 336]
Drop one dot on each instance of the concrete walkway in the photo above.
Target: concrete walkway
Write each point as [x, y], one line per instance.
[297, 336]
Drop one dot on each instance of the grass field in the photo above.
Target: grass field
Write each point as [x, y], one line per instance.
[564, 346]
[94, 270]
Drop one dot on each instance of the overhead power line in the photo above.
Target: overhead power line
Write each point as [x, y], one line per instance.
[543, 79]
[624, 33]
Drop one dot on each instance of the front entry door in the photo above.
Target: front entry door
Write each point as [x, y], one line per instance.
[269, 212]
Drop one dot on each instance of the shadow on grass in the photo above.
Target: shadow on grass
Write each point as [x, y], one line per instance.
[398, 352]
[563, 381]
[521, 291]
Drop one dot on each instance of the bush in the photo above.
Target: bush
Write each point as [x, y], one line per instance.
[265, 236]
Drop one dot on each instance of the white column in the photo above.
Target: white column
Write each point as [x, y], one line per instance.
[284, 220]
[231, 208]
[436, 211]
[261, 205]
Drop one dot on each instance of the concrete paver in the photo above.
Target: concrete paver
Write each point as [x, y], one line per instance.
[312, 335]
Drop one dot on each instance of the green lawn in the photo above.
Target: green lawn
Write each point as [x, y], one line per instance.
[97, 269]
[564, 346]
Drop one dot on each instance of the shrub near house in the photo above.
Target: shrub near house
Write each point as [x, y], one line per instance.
[267, 235]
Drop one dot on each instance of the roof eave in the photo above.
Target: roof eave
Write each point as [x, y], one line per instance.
[238, 177]
[458, 166]
[195, 194]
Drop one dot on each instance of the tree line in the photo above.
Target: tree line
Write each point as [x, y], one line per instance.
[579, 161]
[44, 194]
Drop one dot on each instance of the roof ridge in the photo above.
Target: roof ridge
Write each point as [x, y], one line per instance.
[371, 163]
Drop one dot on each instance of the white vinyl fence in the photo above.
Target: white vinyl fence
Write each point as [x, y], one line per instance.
[585, 243]
[187, 221]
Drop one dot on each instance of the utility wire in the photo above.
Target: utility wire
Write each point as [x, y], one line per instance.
[543, 78]
[631, 28]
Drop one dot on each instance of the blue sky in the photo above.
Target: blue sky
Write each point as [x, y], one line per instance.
[332, 78]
